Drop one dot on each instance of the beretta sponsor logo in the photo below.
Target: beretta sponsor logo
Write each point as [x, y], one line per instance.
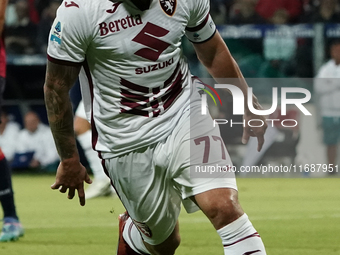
[120, 24]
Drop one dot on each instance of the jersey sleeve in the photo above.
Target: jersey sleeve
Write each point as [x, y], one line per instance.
[70, 34]
[322, 72]
[200, 27]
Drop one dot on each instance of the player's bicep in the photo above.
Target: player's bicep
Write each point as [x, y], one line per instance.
[208, 51]
[3, 5]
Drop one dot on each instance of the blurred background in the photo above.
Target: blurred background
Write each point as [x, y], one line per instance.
[281, 43]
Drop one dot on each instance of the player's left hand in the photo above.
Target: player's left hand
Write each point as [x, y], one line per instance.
[70, 176]
[257, 131]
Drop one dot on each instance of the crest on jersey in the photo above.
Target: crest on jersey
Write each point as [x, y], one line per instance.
[168, 6]
[143, 228]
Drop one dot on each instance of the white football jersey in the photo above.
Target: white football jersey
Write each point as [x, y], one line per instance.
[135, 81]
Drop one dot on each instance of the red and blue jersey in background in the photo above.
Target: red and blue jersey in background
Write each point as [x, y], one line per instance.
[2, 156]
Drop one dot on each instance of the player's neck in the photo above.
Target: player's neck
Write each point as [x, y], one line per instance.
[142, 4]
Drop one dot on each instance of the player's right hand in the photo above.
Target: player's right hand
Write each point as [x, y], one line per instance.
[70, 176]
[256, 131]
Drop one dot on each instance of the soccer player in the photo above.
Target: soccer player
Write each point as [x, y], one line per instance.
[145, 113]
[327, 88]
[12, 228]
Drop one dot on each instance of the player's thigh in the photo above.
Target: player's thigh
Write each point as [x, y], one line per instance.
[200, 161]
[145, 189]
[209, 183]
[338, 128]
[330, 127]
[81, 125]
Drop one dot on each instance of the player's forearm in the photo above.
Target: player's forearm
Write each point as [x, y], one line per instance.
[229, 69]
[223, 66]
[60, 117]
[59, 80]
[2, 24]
[216, 57]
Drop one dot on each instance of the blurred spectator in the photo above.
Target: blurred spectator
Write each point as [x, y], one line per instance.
[34, 17]
[309, 6]
[218, 11]
[302, 62]
[327, 12]
[279, 50]
[36, 138]
[45, 24]
[21, 36]
[245, 13]
[279, 11]
[11, 16]
[9, 131]
[327, 87]
[41, 5]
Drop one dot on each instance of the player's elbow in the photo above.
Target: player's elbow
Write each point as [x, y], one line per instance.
[208, 57]
[48, 89]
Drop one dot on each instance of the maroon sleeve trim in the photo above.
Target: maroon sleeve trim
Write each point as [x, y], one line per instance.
[199, 27]
[63, 62]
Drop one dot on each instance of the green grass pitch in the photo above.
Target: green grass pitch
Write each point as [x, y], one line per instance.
[293, 216]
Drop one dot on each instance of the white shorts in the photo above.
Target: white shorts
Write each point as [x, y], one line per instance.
[152, 182]
[80, 112]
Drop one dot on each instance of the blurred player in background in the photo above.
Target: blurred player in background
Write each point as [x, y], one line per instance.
[145, 113]
[101, 185]
[12, 228]
[9, 131]
[36, 139]
[327, 87]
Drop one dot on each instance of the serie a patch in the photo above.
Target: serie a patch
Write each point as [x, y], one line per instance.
[57, 32]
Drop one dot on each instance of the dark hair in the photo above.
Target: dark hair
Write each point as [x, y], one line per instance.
[334, 41]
